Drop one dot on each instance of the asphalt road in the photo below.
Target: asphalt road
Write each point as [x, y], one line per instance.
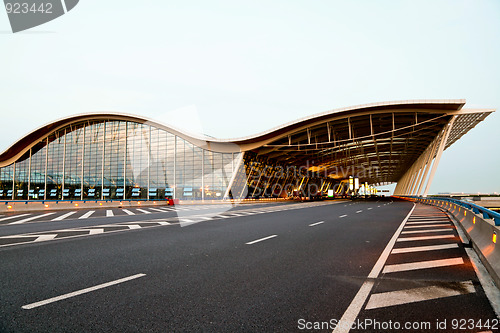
[268, 268]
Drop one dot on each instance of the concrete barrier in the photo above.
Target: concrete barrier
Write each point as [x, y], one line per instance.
[481, 233]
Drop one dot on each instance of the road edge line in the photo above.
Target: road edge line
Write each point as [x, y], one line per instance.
[345, 323]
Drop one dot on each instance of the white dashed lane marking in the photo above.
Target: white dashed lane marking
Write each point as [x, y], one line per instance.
[261, 239]
[317, 223]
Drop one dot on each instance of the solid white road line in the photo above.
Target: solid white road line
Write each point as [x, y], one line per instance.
[369, 208]
[143, 211]
[62, 217]
[424, 248]
[87, 214]
[95, 231]
[32, 218]
[128, 212]
[317, 223]
[417, 295]
[427, 230]
[411, 239]
[109, 213]
[352, 311]
[359, 211]
[13, 217]
[80, 292]
[422, 265]
[261, 239]
[341, 216]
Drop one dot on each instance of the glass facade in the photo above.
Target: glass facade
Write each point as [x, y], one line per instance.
[101, 159]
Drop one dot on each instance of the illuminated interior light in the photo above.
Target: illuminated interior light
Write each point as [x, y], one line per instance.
[465, 213]
[76, 205]
[46, 206]
[474, 220]
[494, 237]
[9, 206]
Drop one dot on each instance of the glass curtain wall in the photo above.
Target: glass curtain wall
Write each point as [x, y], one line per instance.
[103, 159]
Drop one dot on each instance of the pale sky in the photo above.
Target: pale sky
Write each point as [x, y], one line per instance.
[246, 66]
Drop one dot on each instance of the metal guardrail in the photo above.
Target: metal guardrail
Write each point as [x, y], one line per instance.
[487, 213]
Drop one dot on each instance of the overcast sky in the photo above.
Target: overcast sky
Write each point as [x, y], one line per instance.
[246, 66]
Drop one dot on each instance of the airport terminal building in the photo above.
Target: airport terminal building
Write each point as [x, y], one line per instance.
[113, 156]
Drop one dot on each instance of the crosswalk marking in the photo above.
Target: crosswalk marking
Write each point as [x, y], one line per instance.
[32, 218]
[442, 225]
[133, 226]
[143, 211]
[427, 230]
[424, 248]
[62, 217]
[13, 217]
[45, 237]
[411, 239]
[399, 297]
[87, 214]
[109, 213]
[422, 265]
[128, 212]
[429, 222]
[157, 210]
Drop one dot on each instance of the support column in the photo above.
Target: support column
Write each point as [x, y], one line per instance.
[439, 153]
[427, 166]
[233, 176]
